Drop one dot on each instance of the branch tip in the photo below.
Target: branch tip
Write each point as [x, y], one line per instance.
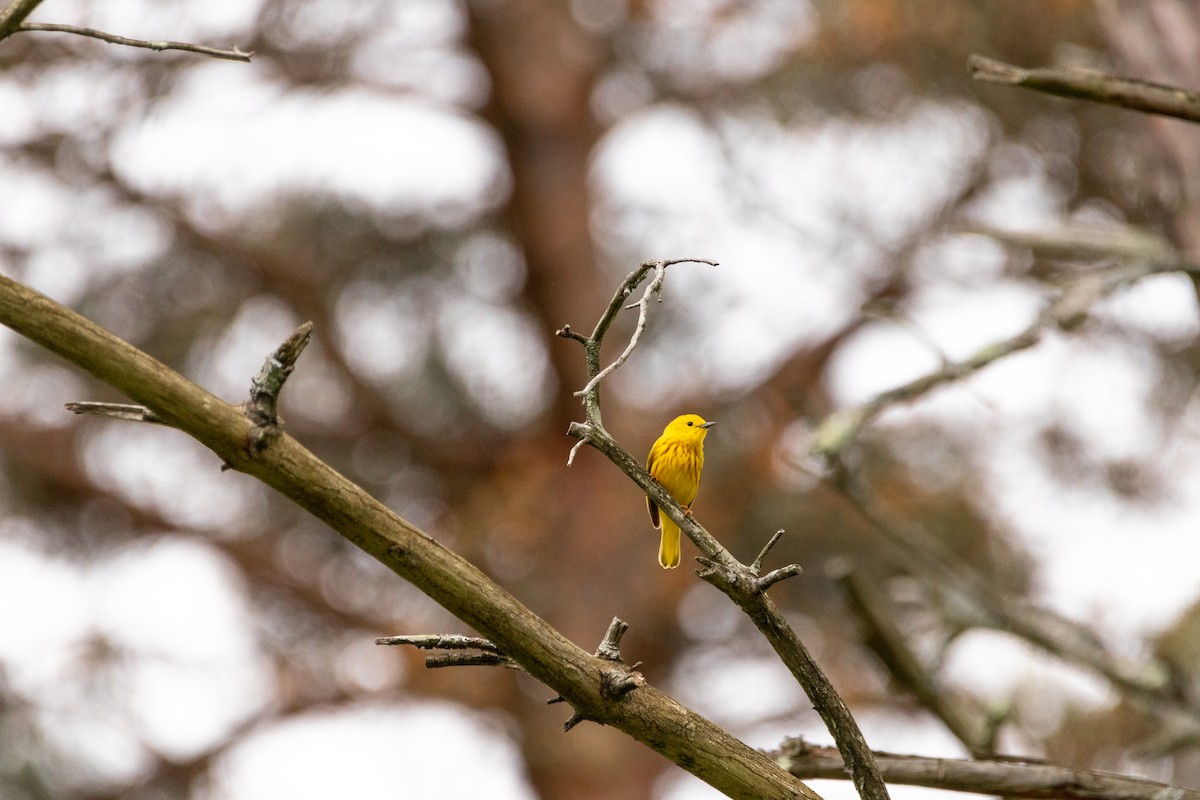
[775, 576]
[757, 565]
[610, 645]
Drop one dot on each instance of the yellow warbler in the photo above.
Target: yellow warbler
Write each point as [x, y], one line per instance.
[675, 461]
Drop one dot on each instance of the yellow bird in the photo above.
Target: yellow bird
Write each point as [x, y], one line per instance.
[675, 461]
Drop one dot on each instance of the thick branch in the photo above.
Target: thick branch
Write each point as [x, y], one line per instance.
[12, 15]
[646, 714]
[232, 54]
[993, 777]
[1152, 98]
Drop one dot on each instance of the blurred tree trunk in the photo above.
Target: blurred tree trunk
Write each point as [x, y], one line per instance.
[543, 68]
[1157, 40]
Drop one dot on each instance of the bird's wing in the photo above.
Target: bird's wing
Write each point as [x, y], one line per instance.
[650, 506]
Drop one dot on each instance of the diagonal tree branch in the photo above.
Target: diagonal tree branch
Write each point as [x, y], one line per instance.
[741, 583]
[1152, 98]
[645, 714]
[1001, 777]
[839, 430]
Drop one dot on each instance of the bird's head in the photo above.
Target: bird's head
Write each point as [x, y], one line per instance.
[688, 428]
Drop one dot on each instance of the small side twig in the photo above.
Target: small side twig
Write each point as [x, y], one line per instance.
[1152, 98]
[262, 407]
[490, 655]
[757, 565]
[471, 660]
[774, 576]
[126, 411]
[440, 641]
[610, 645]
[234, 53]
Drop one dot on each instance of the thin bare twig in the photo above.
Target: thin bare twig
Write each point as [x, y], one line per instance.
[1151, 98]
[758, 561]
[1001, 777]
[234, 53]
[127, 411]
[591, 344]
[440, 641]
[840, 429]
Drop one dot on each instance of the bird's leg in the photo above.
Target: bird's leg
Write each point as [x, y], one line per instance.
[687, 510]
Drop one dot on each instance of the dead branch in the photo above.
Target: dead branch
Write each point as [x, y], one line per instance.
[741, 583]
[1000, 777]
[1151, 98]
[1068, 311]
[645, 714]
[233, 53]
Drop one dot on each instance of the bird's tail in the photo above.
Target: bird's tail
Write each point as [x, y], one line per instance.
[668, 546]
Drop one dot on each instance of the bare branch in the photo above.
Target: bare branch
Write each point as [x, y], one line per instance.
[1152, 98]
[652, 289]
[128, 411]
[1072, 307]
[647, 715]
[1003, 778]
[738, 581]
[884, 638]
[840, 429]
[970, 602]
[471, 660]
[234, 53]
[440, 641]
[776, 575]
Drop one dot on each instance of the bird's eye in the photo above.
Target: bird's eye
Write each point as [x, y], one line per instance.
[689, 423]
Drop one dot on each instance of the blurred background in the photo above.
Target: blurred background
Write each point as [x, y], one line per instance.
[439, 186]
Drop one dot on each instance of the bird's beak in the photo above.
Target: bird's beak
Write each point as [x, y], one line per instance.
[708, 425]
